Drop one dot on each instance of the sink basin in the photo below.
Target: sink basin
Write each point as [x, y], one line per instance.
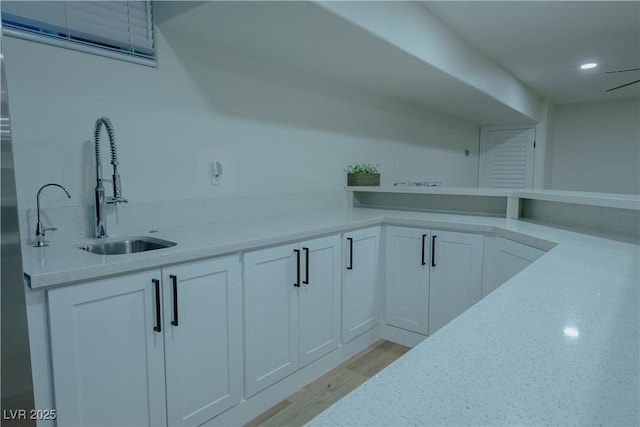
[129, 245]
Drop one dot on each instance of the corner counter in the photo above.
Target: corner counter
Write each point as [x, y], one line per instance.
[557, 344]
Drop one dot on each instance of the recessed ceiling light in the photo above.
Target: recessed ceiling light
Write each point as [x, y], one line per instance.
[588, 66]
[571, 332]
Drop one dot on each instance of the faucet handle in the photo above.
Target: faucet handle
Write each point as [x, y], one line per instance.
[115, 200]
[40, 241]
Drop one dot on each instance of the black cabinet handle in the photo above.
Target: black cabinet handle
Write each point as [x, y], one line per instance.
[158, 327]
[297, 284]
[433, 250]
[174, 279]
[350, 240]
[424, 236]
[306, 256]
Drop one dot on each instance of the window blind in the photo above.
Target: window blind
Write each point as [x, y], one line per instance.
[121, 27]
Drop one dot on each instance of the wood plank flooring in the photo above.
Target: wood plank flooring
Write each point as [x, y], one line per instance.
[311, 400]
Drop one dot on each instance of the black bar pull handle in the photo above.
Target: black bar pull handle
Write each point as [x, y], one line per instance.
[297, 284]
[350, 240]
[433, 250]
[158, 327]
[424, 236]
[306, 274]
[174, 280]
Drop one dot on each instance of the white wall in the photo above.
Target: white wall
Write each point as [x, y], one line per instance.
[278, 132]
[596, 147]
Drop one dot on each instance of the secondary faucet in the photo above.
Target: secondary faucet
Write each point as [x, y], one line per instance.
[100, 200]
[40, 230]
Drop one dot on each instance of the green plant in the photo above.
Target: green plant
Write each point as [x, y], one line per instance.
[362, 168]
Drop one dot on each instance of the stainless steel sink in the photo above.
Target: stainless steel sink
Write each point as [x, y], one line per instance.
[129, 245]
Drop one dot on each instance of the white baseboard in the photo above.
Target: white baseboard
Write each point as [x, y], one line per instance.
[400, 336]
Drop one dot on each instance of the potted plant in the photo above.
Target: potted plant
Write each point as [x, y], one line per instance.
[362, 174]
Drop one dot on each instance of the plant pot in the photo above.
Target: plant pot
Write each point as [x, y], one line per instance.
[362, 179]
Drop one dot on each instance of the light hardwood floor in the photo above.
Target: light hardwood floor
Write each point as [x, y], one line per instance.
[311, 400]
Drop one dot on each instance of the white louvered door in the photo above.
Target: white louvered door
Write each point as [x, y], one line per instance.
[507, 158]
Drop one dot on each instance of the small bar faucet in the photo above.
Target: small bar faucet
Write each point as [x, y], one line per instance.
[40, 230]
[100, 200]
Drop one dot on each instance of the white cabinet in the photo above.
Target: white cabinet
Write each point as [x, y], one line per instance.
[270, 310]
[319, 314]
[509, 258]
[456, 275]
[407, 262]
[107, 354]
[431, 276]
[360, 282]
[121, 356]
[203, 339]
[291, 307]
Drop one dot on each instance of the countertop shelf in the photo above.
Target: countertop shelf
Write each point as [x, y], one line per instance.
[610, 200]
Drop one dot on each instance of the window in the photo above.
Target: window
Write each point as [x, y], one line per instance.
[118, 29]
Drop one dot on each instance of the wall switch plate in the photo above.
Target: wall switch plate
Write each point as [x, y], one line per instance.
[216, 173]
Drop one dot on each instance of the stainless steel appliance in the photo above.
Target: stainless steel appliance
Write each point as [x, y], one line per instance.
[15, 374]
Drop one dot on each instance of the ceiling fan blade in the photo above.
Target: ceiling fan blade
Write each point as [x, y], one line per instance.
[622, 71]
[621, 86]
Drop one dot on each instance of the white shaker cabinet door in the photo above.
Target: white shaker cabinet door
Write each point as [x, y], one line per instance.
[510, 258]
[203, 339]
[360, 282]
[108, 352]
[270, 316]
[456, 275]
[319, 314]
[408, 257]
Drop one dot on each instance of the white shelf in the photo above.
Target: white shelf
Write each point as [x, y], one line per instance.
[447, 191]
[609, 200]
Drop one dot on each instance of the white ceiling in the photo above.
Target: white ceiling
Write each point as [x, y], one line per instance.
[542, 43]
[304, 36]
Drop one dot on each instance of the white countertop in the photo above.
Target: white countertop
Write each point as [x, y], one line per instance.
[63, 263]
[506, 360]
[513, 359]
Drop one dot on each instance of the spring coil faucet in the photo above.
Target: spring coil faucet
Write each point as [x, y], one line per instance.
[101, 200]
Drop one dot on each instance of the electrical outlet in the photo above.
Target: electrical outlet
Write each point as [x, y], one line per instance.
[216, 172]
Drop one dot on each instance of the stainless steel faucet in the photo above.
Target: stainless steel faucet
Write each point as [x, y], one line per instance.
[100, 200]
[40, 230]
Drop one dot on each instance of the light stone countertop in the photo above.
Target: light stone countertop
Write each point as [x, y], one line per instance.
[558, 344]
[509, 359]
[62, 263]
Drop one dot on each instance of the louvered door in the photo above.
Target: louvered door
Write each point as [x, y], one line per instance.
[507, 158]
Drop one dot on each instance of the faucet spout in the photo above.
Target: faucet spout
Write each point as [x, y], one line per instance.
[100, 199]
[40, 230]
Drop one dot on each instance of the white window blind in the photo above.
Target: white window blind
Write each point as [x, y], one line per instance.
[119, 27]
